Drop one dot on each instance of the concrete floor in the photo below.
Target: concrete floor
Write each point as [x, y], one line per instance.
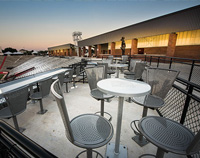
[48, 130]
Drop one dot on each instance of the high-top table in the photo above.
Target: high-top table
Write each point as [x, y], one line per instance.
[121, 88]
[118, 66]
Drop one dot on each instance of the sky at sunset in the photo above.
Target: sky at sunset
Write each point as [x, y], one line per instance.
[39, 24]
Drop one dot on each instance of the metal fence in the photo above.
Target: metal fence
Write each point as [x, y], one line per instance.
[14, 144]
[189, 68]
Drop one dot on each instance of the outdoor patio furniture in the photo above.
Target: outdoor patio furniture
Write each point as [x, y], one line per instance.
[169, 136]
[68, 79]
[109, 70]
[124, 59]
[61, 78]
[87, 131]
[105, 68]
[161, 81]
[76, 73]
[137, 73]
[131, 69]
[118, 67]
[110, 57]
[121, 88]
[94, 75]
[16, 101]
[43, 91]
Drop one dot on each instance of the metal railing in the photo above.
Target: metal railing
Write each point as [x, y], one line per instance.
[15, 144]
[189, 68]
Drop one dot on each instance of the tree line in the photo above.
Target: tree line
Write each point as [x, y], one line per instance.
[26, 52]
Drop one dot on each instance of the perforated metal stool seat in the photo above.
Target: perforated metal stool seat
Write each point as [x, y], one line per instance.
[166, 134]
[67, 80]
[5, 113]
[36, 96]
[129, 73]
[97, 94]
[148, 101]
[110, 72]
[91, 131]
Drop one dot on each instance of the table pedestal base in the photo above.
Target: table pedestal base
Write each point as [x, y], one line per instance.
[142, 142]
[110, 151]
[74, 87]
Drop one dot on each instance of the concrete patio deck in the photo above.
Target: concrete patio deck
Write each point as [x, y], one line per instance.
[48, 130]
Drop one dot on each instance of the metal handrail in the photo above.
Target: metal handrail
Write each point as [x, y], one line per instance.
[19, 145]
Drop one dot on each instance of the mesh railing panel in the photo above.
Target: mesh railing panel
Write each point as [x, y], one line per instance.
[183, 68]
[193, 114]
[192, 119]
[173, 109]
[195, 78]
[174, 104]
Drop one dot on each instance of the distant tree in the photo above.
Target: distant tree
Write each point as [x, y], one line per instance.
[9, 49]
[43, 53]
[28, 52]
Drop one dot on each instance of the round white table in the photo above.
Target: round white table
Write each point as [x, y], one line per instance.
[118, 66]
[121, 88]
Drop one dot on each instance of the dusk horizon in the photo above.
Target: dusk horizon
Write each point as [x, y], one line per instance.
[37, 25]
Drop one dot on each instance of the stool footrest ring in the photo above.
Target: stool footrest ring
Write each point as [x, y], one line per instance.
[134, 127]
[109, 115]
[98, 154]
[146, 155]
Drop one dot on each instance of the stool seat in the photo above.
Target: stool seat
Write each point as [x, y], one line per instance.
[97, 94]
[66, 80]
[97, 133]
[5, 113]
[129, 73]
[36, 96]
[150, 101]
[166, 134]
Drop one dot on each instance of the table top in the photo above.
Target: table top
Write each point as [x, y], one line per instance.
[118, 65]
[6, 87]
[124, 87]
[117, 58]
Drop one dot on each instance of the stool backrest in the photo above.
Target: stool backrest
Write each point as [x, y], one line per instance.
[161, 80]
[133, 63]
[17, 100]
[61, 78]
[70, 74]
[124, 59]
[57, 93]
[139, 69]
[77, 70]
[44, 86]
[94, 74]
[110, 57]
[105, 68]
[109, 61]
